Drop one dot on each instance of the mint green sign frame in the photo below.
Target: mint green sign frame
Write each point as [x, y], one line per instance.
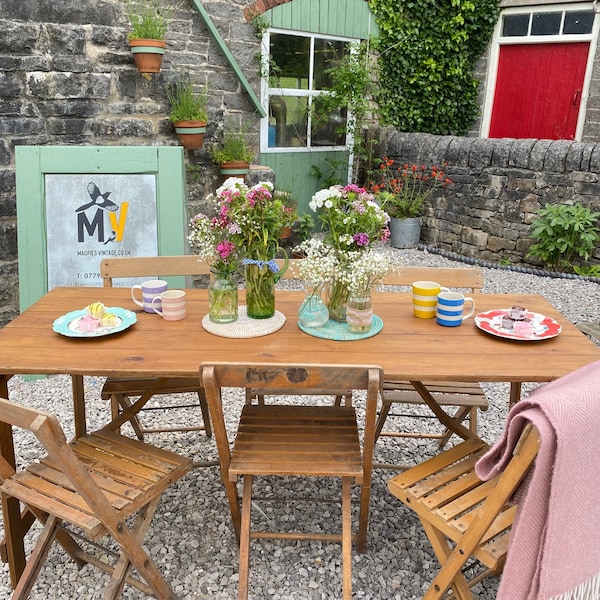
[33, 163]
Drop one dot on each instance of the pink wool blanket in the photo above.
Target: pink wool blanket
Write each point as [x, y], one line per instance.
[555, 542]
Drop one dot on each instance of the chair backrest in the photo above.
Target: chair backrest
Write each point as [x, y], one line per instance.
[295, 377]
[151, 266]
[461, 277]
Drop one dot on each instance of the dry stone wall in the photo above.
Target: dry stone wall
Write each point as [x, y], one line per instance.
[498, 185]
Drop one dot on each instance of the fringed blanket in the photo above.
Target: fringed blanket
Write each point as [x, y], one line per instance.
[554, 550]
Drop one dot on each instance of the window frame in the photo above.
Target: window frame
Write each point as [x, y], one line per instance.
[267, 92]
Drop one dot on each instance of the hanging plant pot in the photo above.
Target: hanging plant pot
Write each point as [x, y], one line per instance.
[191, 133]
[148, 54]
[238, 168]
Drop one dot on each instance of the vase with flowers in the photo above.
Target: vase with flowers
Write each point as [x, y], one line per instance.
[255, 220]
[368, 270]
[402, 191]
[209, 238]
[353, 222]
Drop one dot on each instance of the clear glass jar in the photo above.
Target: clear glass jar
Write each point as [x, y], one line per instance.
[359, 313]
[337, 293]
[222, 298]
[313, 312]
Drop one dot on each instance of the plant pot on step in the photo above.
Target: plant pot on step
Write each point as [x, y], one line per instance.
[148, 54]
[191, 133]
[405, 233]
[236, 168]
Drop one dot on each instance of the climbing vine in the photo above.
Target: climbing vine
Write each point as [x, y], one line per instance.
[427, 53]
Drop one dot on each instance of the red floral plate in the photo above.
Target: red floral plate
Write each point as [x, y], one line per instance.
[543, 327]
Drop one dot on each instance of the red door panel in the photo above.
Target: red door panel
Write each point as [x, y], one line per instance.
[538, 90]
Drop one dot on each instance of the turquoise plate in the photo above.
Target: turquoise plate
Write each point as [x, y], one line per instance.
[332, 330]
[68, 324]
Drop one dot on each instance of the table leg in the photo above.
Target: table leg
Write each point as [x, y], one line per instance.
[79, 405]
[443, 417]
[515, 393]
[13, 549]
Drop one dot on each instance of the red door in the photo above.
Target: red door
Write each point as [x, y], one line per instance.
[538, 90]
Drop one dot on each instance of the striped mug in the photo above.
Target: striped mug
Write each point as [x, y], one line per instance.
[425, 295]
[173, 305]
[450, 309]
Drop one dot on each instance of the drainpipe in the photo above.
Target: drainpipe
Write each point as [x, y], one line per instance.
[229, 56]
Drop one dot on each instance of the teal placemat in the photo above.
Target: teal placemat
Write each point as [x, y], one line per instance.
[333, 330]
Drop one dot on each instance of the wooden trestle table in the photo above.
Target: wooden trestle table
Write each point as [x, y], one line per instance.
[407, 349]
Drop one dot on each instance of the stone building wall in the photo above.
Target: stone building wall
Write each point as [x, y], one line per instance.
[67, 77]
[498, 185]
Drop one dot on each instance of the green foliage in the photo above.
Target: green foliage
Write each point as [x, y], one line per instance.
[233, 148]
[148, 19]
[564, 233]
[427, 53]
[187, 105]
[304, 227]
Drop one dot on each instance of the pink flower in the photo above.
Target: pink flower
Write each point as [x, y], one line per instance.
[224, 249]
[361, 239]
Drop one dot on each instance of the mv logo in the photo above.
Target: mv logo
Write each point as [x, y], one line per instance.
[97, 223]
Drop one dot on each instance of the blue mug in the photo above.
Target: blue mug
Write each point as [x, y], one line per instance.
[450, 309]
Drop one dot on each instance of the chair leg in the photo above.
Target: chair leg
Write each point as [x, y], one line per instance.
[347, 537]
[124, 403]
[456, 580]
[461, 414]
[205, 413]
[385, 409]
[37, 558]
[245, 538]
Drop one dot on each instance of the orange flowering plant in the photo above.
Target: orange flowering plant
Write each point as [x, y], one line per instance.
[401, 191]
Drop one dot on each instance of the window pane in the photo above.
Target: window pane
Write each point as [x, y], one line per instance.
[546, 23]
[289, 61]
[515, 25]
[287, 121]
[328, 131]
[327, 54]
[578, 22]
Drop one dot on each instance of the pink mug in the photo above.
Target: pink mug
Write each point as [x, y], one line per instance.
[173, 305]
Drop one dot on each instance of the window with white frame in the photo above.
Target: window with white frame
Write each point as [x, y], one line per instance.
[549, 21]
[296, 71]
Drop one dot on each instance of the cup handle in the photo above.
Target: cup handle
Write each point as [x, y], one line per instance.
[444, 289]
[136, 287]
[470, 314]
[158, 312]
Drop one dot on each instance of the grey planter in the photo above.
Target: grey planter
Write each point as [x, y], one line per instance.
[405, 232]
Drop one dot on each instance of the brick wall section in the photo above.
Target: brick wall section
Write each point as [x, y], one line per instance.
[497, 187]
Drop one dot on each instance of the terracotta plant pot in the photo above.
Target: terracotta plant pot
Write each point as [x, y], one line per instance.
[191, 133]
[238, 168]
[148, 54]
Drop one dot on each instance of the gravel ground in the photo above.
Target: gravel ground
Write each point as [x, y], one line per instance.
[191, 538]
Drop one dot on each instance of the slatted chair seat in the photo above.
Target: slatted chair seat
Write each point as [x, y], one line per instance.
[463, 516]
[94, 484]
[120, 391]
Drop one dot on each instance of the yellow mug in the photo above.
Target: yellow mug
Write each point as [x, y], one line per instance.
[425, 298]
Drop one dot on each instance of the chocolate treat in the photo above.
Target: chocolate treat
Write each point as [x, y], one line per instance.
[507, 323]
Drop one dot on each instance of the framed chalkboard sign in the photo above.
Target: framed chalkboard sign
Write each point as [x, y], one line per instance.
[78, 205]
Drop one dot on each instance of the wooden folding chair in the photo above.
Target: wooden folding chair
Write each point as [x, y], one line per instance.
[467, 397]
[120, 391]
[96, 484]
[463, 516]
[297, 440]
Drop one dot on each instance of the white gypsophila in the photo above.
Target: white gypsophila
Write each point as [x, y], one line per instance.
[319, 263]
[367, 269]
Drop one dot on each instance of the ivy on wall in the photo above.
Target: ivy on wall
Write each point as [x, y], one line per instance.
[427, 53]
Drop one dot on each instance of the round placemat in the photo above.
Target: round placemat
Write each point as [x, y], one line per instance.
[332, 330]
[245, 327]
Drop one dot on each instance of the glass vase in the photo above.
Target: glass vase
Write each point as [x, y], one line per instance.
[359, 313]
[312, 311]
[337, 297]
[260, 291]
[222, 297]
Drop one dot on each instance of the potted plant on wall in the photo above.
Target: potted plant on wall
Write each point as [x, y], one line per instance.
[149, 22]
[233, 154]
[188, 113]
[401, 192]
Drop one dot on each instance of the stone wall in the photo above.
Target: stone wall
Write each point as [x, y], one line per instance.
[498, 185]
[67, 77]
